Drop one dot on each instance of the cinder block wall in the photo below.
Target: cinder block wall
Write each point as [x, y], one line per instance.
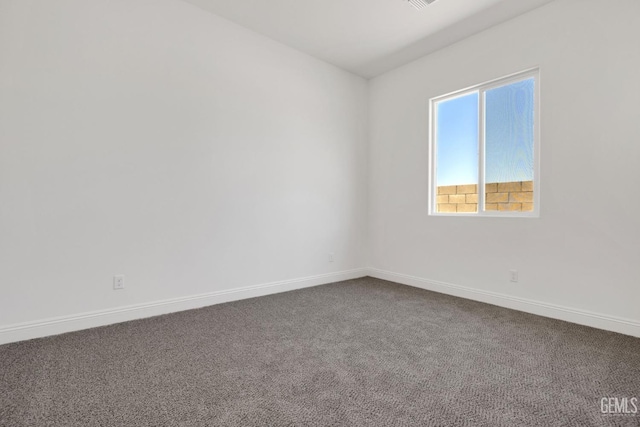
[499, 196]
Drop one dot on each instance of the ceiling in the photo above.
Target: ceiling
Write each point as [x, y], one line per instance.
[367, 37]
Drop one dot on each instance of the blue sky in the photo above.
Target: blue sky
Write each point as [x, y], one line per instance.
[508, 132]
[457, 139]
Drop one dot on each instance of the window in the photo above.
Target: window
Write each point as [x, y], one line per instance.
[486, 137]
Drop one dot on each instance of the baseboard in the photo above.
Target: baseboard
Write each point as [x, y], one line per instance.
[76, 322]
[581, 317]
[59, 325]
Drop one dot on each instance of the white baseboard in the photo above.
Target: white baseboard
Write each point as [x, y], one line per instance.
[581, 317]
[76, 322]
[59, 325]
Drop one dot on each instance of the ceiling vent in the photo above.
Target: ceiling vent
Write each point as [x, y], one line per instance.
[420, 4]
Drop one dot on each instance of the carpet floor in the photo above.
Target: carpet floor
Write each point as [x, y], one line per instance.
[363, 352]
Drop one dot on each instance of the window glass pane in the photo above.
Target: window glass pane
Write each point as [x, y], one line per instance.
[509, 115]
[457, 154]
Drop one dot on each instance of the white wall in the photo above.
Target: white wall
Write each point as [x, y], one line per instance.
[152, 139]
[583, 252]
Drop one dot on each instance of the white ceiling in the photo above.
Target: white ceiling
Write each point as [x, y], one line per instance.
[367, 37]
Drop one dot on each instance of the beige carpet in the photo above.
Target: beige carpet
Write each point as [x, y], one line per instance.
[359, 353]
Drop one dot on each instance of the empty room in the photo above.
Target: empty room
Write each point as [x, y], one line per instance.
[302, 213]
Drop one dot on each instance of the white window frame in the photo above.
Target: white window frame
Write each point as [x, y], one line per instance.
[481, 89]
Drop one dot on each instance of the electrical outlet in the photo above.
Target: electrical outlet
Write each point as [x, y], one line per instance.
[331, 256]
[118, 282]
[514, 275]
